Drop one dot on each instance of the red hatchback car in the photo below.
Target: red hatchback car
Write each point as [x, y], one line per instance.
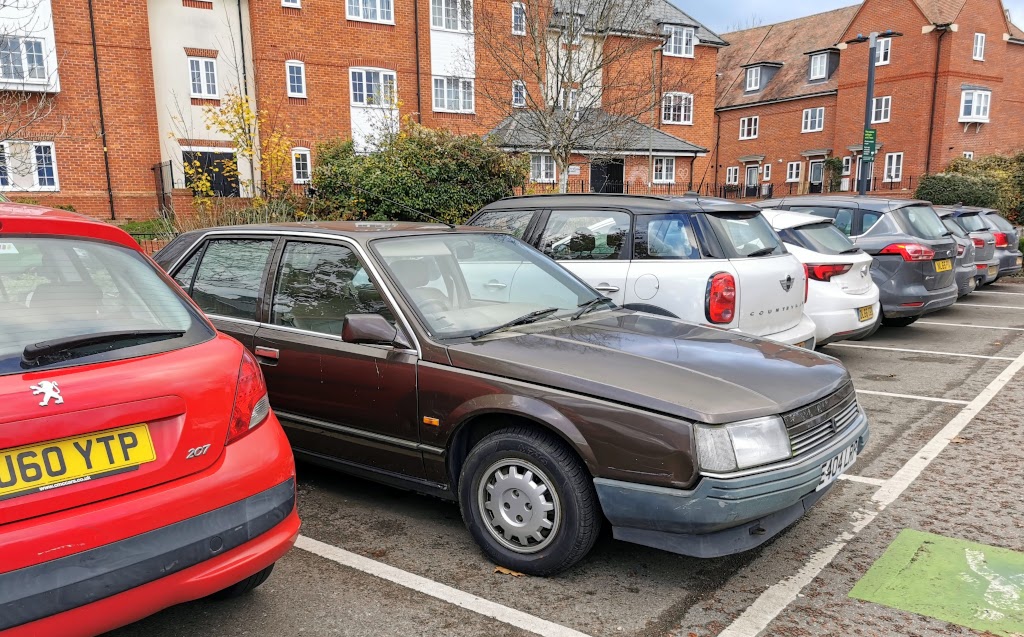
[140, 463]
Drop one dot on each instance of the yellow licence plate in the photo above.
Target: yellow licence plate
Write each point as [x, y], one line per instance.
[60, 463]
[993, 270]
[943, 266]
[866, 313]
[1020, 260]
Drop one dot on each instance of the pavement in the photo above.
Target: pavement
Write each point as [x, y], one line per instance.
[944, 398]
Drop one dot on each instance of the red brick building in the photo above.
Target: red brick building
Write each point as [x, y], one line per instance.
[793, 94]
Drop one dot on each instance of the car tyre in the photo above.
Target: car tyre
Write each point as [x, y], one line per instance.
[245, 586]
[528, 501]
[900, 322]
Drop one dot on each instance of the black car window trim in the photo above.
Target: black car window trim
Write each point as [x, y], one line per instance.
[527, 230]
[625, 253]
[204, 243]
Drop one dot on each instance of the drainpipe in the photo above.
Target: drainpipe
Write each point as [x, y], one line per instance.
[692, 160]
[245, 81]
[718, 148]
[942, 29]
[103, 125]
[416, 45]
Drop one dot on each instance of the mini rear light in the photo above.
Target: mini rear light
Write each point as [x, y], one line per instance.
[720, 300]
[825, 272]
[1001, 240]
[910, 251]
[807, 283]
[959, 250]
[978, 243]
[252, 406]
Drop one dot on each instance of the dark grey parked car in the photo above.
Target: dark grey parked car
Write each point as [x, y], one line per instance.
[985, 259]
[967, 279]
[1007, 237]
[913, 252]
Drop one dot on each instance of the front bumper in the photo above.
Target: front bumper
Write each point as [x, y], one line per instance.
[721, 515]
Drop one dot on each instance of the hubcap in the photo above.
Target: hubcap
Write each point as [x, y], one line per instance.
[520, 509]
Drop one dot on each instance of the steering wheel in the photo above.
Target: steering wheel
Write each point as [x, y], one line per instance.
[430, 306]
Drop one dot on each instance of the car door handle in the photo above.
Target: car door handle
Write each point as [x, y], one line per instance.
[494, 285]
[604, 287]
[268, 353]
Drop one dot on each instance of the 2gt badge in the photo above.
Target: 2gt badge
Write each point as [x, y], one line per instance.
[49, 390]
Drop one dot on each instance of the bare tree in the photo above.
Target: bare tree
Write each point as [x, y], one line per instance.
[752, 21]
[573, 74]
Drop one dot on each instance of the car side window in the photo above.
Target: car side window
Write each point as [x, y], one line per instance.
[319, 284]
[228, 280]
[842, 216]
[514, 222]
[868, 219]
[187, 271]
[585, 235]
[665, 237]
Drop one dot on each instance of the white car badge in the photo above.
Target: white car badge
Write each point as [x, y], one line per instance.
[49, 390]
[787, 283]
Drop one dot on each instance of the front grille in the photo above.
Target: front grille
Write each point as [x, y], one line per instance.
[820, 422]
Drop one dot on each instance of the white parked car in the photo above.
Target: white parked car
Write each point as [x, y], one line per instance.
[843, 298]
[701, 260]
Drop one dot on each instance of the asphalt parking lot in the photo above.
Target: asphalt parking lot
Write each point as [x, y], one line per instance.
[944, 398]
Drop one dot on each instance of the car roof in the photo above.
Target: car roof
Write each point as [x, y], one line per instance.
[964, 210]
[16, 218]
[785, 219]
[361, 231]
[878, 204]
[639, 204]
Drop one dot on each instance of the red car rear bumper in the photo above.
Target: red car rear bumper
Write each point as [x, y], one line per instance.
[123, 570]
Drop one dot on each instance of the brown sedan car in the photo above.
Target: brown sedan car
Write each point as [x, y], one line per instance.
[465, 364]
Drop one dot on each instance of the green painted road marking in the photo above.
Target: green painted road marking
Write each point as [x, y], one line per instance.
[964, 583]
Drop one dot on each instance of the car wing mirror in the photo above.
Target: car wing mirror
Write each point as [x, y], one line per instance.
[372, 329]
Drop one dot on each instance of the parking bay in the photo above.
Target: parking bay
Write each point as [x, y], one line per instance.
[621, 589]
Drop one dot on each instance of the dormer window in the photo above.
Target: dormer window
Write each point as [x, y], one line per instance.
[680, 41]
[754, 78]
[819, 66]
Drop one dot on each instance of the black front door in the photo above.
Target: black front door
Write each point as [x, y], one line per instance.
[607, 175]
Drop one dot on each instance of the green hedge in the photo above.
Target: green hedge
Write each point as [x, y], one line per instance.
[947, 189]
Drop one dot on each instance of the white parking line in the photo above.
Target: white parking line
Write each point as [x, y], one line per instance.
[487, 608]
[980, 327]
[994, 292]
[921, 351]
[998, 307]
[930, 399]
[875, 482]
[779, 596]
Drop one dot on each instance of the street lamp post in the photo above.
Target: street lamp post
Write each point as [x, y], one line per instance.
[869, 141]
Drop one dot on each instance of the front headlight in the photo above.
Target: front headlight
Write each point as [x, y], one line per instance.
[741, 445]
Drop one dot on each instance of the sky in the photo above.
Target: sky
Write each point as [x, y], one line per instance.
[741, 14]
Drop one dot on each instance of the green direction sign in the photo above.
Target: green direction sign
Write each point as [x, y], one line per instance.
[870, 144]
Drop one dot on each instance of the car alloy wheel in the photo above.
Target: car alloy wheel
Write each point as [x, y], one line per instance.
[522, 511]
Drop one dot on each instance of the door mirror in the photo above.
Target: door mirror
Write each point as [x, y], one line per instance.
[372, 329]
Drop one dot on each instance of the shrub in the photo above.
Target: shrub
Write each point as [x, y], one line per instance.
[440, 173]
[948, 189]
[1008, 172]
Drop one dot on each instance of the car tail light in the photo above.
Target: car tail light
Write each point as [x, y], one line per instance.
[979, 243]
[252, 406]
[1001, 240]
[959, 250]
[720, 302]
[825, 272]
[910, 251]
[982, 266]
[807, 283]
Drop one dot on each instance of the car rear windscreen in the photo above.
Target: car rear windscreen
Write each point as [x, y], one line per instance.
[89, 301]
[744, 235]
[820, 237]
[973, 223]
[999, 222]
[922, 221]
[953, 227]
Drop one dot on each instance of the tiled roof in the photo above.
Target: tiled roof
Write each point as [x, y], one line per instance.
[1016, 32]
[941, 11]
[785, 42]
[601, 132]
[659, 12]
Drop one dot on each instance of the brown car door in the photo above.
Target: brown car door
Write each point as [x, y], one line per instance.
[340, 401]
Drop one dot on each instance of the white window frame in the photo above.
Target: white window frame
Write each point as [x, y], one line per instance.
[883, 51]
[893, 168]
[292, 4]
[204, 78]
[384, 73]
[518, 88]
[23, 61]
[754, 79]
[750, 127]
[794, 172]
[460, 87]
[573, 103]
[847, 165]
[981, 104]
[304, 152]
[439, 12]
[686, 103]
[813, 116]
[883, 104]
[35, 167]
[681, 41]
[969, 154]
[823, 73]
[766, 171]
[546, 162]
[288, 65]
[732, 176]
[979, 47]
[5, 167]
[667, 167]
[355, 10]
[520, 8]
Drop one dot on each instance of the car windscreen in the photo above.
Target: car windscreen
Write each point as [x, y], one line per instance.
[999, 222]
[922, 222]
[744, 234]
[973, 222]
[461, 285]
[70, 301]
[824, 238]
[953, 227]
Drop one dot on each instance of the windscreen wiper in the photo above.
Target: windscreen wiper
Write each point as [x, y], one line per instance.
[586, 306]
[852, 250]
[762, 252]
[522, 320]
[59, 349]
